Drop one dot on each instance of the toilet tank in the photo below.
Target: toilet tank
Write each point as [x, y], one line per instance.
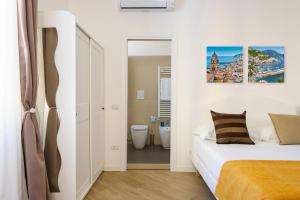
[139, 127]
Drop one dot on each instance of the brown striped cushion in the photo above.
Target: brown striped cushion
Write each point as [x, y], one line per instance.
[231, 128]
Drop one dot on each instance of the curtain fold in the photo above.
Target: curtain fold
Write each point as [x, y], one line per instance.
[12, 177]
[52, 155]
[35, 169]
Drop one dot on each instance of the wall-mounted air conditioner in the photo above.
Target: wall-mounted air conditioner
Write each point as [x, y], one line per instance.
[146, 5]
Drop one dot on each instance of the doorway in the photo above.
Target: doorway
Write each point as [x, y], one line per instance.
[149, 103]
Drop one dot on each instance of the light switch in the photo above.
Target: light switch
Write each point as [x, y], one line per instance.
[115, 107]
[140, 94]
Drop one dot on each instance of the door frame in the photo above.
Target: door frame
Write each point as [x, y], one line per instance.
[123, 145]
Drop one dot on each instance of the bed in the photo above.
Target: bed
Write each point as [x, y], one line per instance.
[209, 157]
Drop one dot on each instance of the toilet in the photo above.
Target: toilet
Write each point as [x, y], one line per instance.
[164, 133]
[139, 134]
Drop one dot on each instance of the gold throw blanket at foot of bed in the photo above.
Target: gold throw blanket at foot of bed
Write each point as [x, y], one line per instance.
[259, 180]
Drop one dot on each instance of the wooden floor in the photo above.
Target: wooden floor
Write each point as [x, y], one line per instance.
[147, 166]
[149, 185]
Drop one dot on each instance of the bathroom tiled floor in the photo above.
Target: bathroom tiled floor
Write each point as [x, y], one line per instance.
[154, 155]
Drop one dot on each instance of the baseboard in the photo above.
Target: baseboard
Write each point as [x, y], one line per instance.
[147, 166]
[84, 189]
[186, 168]
[112, 168]
[179, 168]
[96, 175]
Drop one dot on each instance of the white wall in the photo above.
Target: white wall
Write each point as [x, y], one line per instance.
[45, 5]
[195, 24]
[246, 23]
[149, 48]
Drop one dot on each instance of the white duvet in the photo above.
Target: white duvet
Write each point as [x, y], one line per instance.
[209, 157]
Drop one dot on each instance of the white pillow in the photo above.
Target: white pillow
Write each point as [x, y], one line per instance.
[255, 133]
[268, 134]
[206, 132]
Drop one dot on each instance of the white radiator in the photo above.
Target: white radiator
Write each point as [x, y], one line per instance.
[164, 106]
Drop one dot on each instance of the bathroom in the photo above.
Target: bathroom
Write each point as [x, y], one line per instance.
[149, 104]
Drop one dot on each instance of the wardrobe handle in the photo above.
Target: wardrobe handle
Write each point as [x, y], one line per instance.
[102, 108]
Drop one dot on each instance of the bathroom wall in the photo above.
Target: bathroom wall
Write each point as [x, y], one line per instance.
[142, 75]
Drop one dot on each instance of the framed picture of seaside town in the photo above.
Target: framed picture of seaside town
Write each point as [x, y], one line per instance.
[224, 64]
[266, 64]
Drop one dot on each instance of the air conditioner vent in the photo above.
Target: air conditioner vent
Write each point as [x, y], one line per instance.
[146, 5]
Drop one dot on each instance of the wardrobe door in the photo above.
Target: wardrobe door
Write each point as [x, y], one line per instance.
[97, 110]
[83, 168]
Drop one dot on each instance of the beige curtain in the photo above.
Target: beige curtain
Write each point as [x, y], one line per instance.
[52, 155]
[36, 177]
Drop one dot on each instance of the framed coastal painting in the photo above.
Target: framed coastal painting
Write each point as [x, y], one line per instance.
[224, 64]
[266, 64]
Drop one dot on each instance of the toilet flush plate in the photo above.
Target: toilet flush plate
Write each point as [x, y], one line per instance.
[140, 94]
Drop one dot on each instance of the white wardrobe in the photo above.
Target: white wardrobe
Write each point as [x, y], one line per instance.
[89, 111]
[80, 104]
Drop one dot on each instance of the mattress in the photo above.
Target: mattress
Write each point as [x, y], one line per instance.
[209, 157]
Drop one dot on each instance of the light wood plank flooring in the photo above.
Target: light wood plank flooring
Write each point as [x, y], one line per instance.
[149, 185]
[147, 166]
